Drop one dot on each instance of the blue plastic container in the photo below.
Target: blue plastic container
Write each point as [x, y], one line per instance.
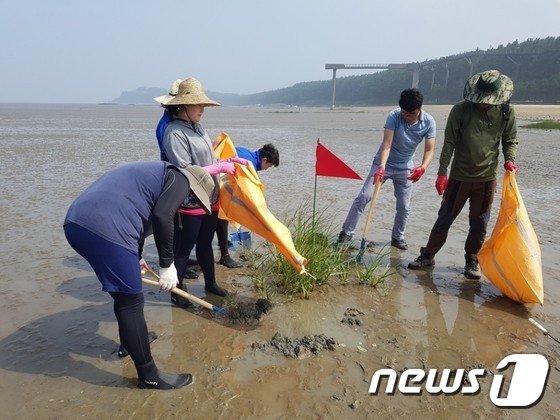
[240, 240]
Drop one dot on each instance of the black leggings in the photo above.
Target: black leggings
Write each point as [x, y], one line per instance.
[133, 331]
[222, 235]
[199, 231]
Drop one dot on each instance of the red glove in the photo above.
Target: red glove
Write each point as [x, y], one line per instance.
[510, 166]
[416, 173]
[378, 175]
[441, 184]
[236, 160]
[220, 168]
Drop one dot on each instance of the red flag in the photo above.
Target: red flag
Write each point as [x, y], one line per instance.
[328, 164]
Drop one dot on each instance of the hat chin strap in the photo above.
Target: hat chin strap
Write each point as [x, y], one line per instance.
[183, 114]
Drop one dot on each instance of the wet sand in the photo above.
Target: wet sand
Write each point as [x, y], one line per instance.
[58, 338]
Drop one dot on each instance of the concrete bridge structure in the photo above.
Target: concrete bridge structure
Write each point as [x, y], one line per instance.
[425, 65]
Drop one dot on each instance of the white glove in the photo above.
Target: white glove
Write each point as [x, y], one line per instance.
[168, 277]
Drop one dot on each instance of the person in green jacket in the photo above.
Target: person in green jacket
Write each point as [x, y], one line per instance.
[475, 129]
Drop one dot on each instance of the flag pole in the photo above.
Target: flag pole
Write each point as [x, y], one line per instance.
[314, 194]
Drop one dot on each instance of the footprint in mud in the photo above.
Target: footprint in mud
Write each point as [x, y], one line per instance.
[351, 317]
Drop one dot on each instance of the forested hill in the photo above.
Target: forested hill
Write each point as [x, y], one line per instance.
[534, 66]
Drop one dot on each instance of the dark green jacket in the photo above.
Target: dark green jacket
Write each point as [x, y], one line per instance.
[472, 138]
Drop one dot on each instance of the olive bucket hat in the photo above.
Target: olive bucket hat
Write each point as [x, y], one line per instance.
[201, 184]
[191, 92]
[171, 94]
[489, 87]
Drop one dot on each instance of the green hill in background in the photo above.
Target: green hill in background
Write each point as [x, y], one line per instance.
[534, 66]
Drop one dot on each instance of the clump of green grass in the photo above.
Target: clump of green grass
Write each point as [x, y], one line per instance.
[231, 302]
[544, 125]
[375, 271]
[312, 238]
[260, 282]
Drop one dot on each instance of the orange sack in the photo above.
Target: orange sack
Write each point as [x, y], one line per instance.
[242, 200]
[511, 257]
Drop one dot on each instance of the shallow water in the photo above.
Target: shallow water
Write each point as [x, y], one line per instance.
[58, 338]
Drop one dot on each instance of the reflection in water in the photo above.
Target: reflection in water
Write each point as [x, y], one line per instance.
[482, 333]
[55, 346]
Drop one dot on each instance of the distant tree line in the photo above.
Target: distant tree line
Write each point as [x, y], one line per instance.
[534, 66]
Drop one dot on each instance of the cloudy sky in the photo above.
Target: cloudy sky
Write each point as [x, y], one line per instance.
[79, 51]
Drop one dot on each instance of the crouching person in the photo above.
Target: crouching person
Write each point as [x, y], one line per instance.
[107, 225]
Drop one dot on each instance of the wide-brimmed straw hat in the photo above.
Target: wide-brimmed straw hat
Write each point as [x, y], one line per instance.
[201, 184]
[191, 92]
[171, 94]
[489, 87]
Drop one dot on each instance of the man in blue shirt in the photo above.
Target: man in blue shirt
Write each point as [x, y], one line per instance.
[406, 127]
[262, 159]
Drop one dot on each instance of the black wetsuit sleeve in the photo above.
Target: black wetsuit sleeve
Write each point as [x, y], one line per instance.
[140, 249]
[175, 189]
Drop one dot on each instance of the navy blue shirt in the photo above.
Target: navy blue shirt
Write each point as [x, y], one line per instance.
[118, 206]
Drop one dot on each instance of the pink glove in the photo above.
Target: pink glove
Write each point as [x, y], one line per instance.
[239, 160]
[416, 173]
[220, 168]
[378, 175]
[510, 166]
[441, 184]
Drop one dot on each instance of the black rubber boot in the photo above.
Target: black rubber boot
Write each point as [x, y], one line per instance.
[181, 302]
[424, 260]
[215, 289]
[229, 262]
[399, 243]
[149, 377]
[343, 238]
[190, 274]
[123, 352]
[471, 267]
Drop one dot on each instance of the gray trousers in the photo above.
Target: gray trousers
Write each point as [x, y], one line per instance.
[403, 193]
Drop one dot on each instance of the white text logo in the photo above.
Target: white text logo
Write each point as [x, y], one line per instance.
[527, 385]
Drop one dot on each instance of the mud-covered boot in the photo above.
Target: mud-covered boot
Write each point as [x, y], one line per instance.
[471, 267]
[212, 287]
[424, 260]
[229, 262]
[190, 274]
[180, 301]
[149, 377]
